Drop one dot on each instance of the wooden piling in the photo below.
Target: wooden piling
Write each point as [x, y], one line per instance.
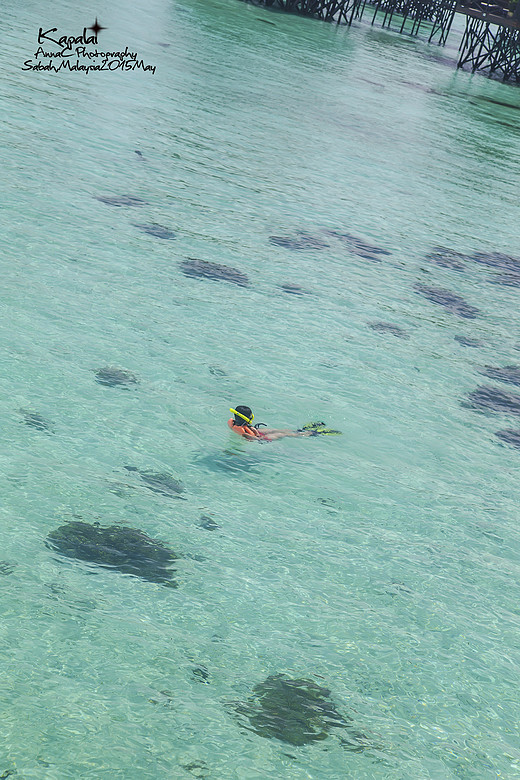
[490, 43]
[491, 40]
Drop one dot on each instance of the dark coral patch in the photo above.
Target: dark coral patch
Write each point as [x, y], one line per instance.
[109, 376]
[496, 102]
[450, 300]
[124, 549]
[467, 342]
[509, 374]
[487, 398]
[35, 420]
[159, 482]
[506, 279]
[497, 260]
[121, 200]
[231, 461]
[510, 436]
[298, 712]
[286, 241]
[200, 674]
[216, 371]
[398, 588]
[388, 327]
[447, 258]
[301, 241]
[293, 289]
[155, 230]
[203, 269]
[360, 247]
[208, 523]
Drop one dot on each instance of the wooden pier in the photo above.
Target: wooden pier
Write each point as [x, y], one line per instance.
[413, 16]
[491, 40]
[490, 43]
[408, 16]
[327, 10]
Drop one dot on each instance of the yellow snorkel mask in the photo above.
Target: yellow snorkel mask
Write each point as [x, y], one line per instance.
[247, 419]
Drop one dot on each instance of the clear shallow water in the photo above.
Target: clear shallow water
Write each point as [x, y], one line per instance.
[382, 564]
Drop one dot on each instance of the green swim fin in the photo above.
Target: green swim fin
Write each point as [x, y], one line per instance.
[319, 429]
[312, 426]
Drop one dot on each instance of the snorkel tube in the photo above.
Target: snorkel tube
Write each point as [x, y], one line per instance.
[248, 420]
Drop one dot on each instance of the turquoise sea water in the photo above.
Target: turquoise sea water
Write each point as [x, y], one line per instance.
[384, 564]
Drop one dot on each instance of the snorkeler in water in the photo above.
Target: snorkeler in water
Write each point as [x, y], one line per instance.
[242, 423]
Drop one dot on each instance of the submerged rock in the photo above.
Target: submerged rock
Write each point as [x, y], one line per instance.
[158, 231]
[509, 374]
[497, 260]
[301, 241]
[360, 247]
[121, 200]
[467, 342]
[388, 327]
[203, 269]
[159, 482]
[487, 398]
[35, 420]
[115, 377]
[450, 300]
[298, 712]
[447, 258]
[125, 549]
[510, 436]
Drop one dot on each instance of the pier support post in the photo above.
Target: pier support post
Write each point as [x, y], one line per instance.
[492, 46]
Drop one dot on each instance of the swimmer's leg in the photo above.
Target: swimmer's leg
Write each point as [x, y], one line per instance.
[274, 435]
